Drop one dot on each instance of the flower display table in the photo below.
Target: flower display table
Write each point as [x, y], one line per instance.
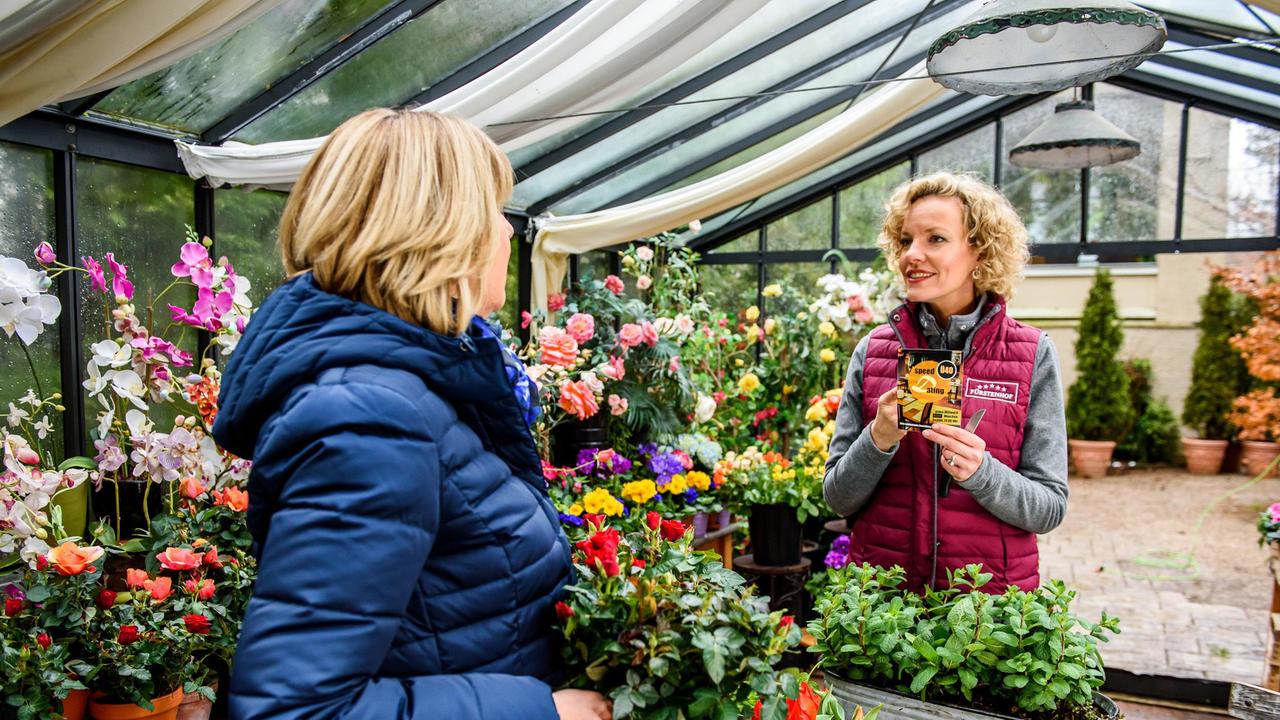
[719, 541]
[1271, 679]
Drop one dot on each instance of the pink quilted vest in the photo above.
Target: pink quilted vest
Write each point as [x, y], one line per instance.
[905, 522]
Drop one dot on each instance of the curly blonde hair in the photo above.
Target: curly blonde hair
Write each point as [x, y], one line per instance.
[994, 228]
[401, 210]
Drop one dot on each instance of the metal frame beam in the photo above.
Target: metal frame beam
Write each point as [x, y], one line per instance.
[794, 81]
[375, 28]
[1182, 63]
[1204, 99]
[80, 106]
[64, 225]
[698, 82]
[95, 138]
[874, 165]
[1192, 38]
[495, 56]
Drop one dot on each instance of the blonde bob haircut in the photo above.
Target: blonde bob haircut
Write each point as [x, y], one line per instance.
[993, 227]
[401, 210]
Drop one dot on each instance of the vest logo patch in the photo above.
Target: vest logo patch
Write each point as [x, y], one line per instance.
[1006, 392]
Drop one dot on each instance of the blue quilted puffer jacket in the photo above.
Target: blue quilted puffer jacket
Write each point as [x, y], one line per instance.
[409, 555]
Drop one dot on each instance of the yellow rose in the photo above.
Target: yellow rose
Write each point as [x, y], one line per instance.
[817, 412]
[827, 355]
[802, 316]
[753, 314]
[817, 441]
[639, 491]
[773, 290]
[826, 328]
[769, 326]
[753, 333]
[748, 383]
[737, 362]
[699, 480]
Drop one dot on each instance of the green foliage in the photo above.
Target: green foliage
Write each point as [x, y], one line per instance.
[1218, 374]
[678, 636]
[1098, 401]
[1155, 437]
[1021, 650]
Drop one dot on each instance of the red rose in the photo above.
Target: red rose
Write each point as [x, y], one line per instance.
[196, 624]
[786, 621]
[42, 562]
[672, 530]
[44, 641]
[12, 606]
[555, 301]
[106, 599]
[601, 550]
[211, 558]
[637, 562]
[563, 611]
[595, 520]
[128, 635]
[652, 518]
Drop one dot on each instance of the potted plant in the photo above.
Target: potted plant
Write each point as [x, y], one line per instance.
[779, 496]
[1257, 413]
[1218, 375]
[667, 633]
[1269, 528]
[1154, 438]
[1020, 653]
[1098, 412]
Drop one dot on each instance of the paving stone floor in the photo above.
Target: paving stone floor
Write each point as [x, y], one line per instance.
[1211, 626]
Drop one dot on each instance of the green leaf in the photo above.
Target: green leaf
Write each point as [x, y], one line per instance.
[79, 461]
[968, 679]
[926, 650]
[1005, 638]
[922, 678]
[1072, 670]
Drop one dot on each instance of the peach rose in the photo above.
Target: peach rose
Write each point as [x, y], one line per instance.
[614, 284]
[617, 405]
[178, 559]
[160, 588]
[557, 347]
[233, 497]
[135, 578]
[192, 487]
[630, 335]
[650, 333]
[614, 370]
[581, 327]
[577, 399]
[70, 559]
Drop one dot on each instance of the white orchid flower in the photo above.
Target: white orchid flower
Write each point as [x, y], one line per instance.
[128, 385]
[110, 353]
[43, 427]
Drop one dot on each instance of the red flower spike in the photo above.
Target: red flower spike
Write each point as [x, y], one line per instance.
[44, 641]
[563, 611]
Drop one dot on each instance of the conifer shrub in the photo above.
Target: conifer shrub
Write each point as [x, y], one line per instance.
[1098, 404]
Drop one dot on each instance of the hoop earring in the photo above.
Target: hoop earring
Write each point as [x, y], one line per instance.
[974, 274]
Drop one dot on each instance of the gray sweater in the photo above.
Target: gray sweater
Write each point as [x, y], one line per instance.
[1032, 497]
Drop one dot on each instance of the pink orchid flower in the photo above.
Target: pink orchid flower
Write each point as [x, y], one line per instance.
[194, 263]
[120, 284]
[95, 274]
[45, 254]
[207, 312]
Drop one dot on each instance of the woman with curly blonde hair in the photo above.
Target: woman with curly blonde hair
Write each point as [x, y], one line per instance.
[947, 497]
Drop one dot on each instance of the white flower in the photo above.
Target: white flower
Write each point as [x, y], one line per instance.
[593, 383]
[684, 324]
[16, 415]
[128, 385]
[138, 422]
[34, 547]
[704, 409]
[110, 353]
[643, 282]
[664, 325]
[28, 317]
[30, 398]
[644, 252]
[43, 427]
[19, 282]
[830, 283]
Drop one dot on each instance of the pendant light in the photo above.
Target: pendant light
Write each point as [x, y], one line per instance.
[1074, 137]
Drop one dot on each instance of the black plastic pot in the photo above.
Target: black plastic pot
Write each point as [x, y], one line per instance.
[132, 518]
[570, 438]
[775, 535]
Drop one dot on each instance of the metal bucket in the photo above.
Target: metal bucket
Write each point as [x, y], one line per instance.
[905, 707]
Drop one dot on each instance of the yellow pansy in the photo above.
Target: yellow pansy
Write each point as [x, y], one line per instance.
[599, 501]
[773, 290]
[699, 480]
[575, 509]
[639, 491]
[677, 485]
[826, 328]
[748, 383]
[817, 412]
[753, 314]
[827, 355]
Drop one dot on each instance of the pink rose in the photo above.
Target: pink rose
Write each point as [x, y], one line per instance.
[578, 400]
[615, 369]
[644, 282]
[863, 316]
[650, 333]
[525, 319]
[581, 327]
[674, 365]
[617, 405]
[630, 335]
[555, 301]
[614, 284]
[179, 559]
[644, 252]
[557, 347]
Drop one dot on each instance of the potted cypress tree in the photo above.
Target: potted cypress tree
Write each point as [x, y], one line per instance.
[1218, 375]
[1098, 412]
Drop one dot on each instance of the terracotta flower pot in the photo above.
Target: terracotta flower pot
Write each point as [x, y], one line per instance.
[74, 704]
[165, 708]
[1091, 457]
[194, 707]
[1256, 455]
[1204, 457]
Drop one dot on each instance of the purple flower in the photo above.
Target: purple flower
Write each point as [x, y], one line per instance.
[95, 273]
[110, 457]
[120, 284]
[664, 466]
[841, 544]
[15, 592]
[45, 254]
[648, 449]
[194, 263]
[586, 462]
[207, 312]
[836, 560]
[573, 520]
[620, 465]
[691, 495]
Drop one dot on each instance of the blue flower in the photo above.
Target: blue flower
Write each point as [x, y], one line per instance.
[573, 520]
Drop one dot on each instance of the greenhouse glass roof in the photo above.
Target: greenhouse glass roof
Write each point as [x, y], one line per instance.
[777, 70]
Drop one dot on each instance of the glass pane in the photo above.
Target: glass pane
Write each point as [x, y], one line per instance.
[247, 224]
[1048, 200]
[729, 288]
[508, 315]
[594, 265]
[750, 242]
[197, 92]
[401, 65]
[971, 153]
[808, 228]
[26, 220]
[862, 206]
[141, 216]
[1233, 193]
[799, 276]
[1136, 199]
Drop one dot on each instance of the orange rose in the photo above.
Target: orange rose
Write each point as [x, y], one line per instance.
[178, 559]
[557, 347]
[192, 488]
[69, 559]
[135, 578]
[234, 498]
[160, 588]
[578, 400]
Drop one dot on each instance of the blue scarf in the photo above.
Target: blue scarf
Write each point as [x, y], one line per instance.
[525, 389]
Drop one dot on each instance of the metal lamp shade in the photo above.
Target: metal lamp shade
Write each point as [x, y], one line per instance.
[1075, 137]
[1012, 34]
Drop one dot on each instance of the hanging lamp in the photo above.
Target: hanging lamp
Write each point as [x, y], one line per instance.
[1074, 137]
[1017, 47]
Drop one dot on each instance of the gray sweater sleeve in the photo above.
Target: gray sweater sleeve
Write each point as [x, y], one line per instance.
[854, 464]
[1033, 497]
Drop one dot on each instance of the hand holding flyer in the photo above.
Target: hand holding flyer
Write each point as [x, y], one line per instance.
[929, 383]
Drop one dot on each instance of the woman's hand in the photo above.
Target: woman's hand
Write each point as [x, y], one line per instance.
[884, 427]
[582, 705]
[962, 451]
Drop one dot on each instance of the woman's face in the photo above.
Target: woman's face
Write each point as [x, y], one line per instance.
[935, 257]
[496, 271]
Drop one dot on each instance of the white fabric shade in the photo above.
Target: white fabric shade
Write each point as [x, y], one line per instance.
[597, 59]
